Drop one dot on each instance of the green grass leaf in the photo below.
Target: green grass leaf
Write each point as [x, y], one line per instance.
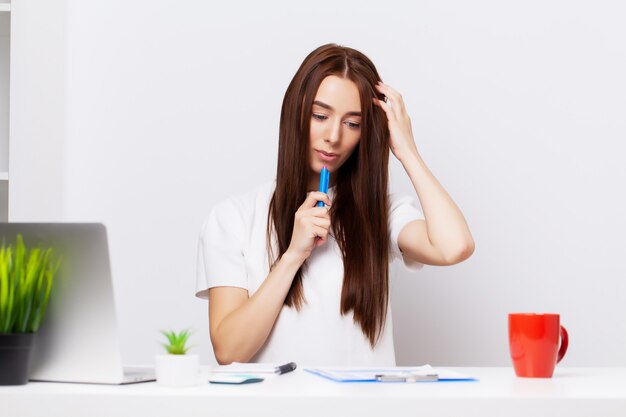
[26, 279]
[176, 342]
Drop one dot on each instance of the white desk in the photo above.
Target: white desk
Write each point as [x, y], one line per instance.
[572, 392]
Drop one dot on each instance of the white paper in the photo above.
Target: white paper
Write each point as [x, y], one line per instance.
[248, 368]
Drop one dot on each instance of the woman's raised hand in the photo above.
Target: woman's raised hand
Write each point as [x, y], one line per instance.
[401, 141]
[310, 226]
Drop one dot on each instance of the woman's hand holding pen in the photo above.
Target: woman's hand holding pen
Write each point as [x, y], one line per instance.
[311, 225]
[239, 322]
[401, 139]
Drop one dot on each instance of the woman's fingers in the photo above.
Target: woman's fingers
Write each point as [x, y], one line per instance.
[386, 108]
[322, 235]
[392, 92]
[313, 197]
[311, 224]
[321, 222]
[319, 226]
[314, 212]
[394, 97]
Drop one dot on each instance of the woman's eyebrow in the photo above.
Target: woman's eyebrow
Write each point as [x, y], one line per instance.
[326, 106]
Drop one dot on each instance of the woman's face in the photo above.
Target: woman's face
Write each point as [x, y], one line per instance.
[335, 126]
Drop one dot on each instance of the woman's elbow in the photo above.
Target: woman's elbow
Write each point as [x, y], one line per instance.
[460, 254]
[226, 356]
[221, 358]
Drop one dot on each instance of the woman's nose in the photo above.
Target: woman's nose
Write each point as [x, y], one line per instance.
[333, 133]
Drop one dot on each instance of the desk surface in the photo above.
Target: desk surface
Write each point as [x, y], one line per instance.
[571, 392]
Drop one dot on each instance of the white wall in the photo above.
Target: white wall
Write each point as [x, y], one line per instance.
[518, 109]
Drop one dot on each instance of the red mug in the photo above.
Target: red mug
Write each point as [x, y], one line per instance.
[534, 343]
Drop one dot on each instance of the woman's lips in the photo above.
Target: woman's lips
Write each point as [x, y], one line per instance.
[326, 157]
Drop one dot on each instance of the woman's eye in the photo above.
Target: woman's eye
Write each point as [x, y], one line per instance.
[353, 125]
[319, 116]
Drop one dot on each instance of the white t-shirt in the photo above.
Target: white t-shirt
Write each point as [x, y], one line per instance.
[232, 252]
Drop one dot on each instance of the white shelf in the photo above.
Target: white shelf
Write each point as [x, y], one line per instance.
[5, 34]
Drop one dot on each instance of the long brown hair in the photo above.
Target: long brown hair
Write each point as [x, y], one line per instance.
[359, 211]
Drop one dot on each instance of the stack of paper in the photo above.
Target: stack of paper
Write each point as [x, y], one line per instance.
[247, 368]
[242, 373]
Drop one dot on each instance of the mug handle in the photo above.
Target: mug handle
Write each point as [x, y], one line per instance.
[564, 344]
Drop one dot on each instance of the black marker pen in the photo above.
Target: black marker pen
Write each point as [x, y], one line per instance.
[283, 369]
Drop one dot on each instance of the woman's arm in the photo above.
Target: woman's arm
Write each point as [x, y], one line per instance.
[239, 324]
[444, 237]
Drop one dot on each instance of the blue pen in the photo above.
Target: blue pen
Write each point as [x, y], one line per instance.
[324, 180]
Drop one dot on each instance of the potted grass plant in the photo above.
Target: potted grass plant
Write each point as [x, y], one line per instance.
[26, 278]
[176, 368]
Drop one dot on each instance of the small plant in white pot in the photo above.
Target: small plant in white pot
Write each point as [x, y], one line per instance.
[177, 368]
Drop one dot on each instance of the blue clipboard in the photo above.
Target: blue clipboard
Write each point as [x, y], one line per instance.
[394, 374]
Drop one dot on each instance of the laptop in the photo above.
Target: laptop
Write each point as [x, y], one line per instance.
[78, 340]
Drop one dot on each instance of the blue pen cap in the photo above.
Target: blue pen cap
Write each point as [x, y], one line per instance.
[326, 178]
[324, 181]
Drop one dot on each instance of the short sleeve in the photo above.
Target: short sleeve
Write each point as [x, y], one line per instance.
[403, 210]
[220, 250]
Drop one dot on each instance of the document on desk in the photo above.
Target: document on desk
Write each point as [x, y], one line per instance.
[424, 373]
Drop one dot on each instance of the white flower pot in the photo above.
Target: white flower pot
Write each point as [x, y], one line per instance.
[177, 370]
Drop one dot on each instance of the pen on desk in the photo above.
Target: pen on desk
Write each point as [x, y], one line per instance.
[283, 369]
[324, 180]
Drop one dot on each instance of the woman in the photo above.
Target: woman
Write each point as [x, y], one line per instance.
[289, 281]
